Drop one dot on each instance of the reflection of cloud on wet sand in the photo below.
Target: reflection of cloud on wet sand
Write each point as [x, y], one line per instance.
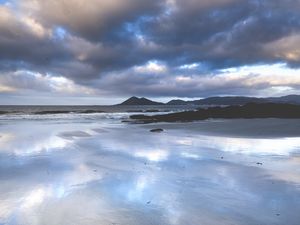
[29, 145]
[70, 135]
[153, 155]
[258, 146]
[126, 176]
[282, 146]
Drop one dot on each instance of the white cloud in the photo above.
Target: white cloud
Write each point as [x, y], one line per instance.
[259, 80]
[35, 27]
[152, 67]
[29, 81]
[189, 66]
[285, 48]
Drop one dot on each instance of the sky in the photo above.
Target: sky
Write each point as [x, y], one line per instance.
[101, 52]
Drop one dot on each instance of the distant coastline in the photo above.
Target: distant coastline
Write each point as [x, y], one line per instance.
[217, 100]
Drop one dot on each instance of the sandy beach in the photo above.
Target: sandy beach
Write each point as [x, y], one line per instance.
[101, 171]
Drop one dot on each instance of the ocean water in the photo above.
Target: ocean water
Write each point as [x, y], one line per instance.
[69, 109]
[91, 168]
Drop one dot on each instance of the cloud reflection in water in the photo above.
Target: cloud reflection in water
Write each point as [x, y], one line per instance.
[172, 178]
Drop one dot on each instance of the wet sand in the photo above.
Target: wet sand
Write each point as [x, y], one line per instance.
[248, 128]
[102, 171]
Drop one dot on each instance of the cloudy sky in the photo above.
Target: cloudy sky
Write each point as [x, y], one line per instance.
[99, 52]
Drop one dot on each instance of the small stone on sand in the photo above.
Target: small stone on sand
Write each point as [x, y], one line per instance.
[157, 130]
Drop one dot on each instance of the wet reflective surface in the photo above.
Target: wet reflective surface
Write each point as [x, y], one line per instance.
[101, 171]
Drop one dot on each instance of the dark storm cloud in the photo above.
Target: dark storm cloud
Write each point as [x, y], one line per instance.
[104, 45]
[19, 42]
[97, 37]
[94, 20]
[228, 34]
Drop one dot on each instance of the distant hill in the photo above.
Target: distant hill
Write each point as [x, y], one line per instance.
[226, 100]
[238, 100]
[291, 99]
[179, 102]
[140, 101]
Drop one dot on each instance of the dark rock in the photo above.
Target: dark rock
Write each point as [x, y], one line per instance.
[157, 130]
[134, 110]
[138, 117]
[91, 111]
[248, 111]
[152, 110]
